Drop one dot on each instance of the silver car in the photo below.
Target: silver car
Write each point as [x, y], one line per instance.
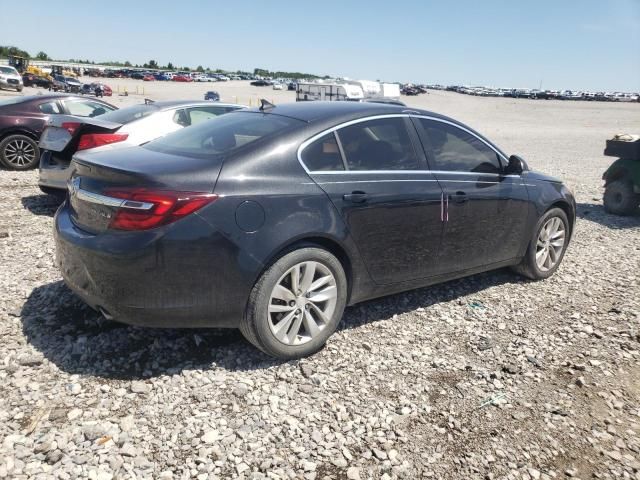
[65, 135]
[10, 78]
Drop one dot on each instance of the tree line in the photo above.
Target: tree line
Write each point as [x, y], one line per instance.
[5, 51]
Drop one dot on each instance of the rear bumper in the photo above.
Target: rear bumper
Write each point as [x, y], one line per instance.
[51, 173]
[166, 277]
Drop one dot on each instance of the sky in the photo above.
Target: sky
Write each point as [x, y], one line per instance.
[553, 44]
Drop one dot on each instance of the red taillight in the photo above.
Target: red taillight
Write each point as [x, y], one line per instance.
[163, 207]
[93, 140]
[71, 127]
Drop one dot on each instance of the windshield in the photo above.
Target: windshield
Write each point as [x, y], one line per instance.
[222, 135]
[129, 114]
[8, 70]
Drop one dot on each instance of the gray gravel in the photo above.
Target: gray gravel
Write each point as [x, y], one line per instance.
[486, 377]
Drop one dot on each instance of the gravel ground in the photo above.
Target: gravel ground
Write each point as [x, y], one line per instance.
[486, 377]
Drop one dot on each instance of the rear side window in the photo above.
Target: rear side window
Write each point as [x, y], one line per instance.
[49, 108]
[382, 144]
[222, 135]
[458, 151]
[323, 154]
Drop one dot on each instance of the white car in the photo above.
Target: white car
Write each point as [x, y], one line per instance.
[65, 135]
[10, 78]
[278, 86]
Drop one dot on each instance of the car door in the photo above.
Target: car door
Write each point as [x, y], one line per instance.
[374, 172]
[485, 210]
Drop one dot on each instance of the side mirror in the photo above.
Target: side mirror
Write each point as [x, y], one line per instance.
[516, 165]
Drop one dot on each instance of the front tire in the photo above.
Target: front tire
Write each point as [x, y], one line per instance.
[620, 199]
[546, 247]
[19, 152]
[296, 304]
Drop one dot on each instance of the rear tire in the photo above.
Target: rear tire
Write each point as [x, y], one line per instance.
[282, 318]
[551, 235]
[620, 199]
[19, 152]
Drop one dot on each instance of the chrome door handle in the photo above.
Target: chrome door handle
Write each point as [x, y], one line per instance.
[355, 197]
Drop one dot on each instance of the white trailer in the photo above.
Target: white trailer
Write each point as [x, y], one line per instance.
[328, 91]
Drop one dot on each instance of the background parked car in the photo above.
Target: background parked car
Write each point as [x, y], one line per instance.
[212, 95]
[127, 127]
[10, 78]
[33, 80]
[90, 89]
[69, 84]
[182, 78]
[22, 120]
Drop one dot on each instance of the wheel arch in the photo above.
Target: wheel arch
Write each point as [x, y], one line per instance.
[569, 212]
[19, 131]
[326, 243]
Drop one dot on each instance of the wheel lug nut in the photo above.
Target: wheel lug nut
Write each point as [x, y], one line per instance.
[292, 303]
[306, 306]
[298, 312]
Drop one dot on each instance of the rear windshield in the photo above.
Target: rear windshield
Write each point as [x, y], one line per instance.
[222, 135]
[129, 114]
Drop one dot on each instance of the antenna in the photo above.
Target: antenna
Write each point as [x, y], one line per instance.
[265, 105]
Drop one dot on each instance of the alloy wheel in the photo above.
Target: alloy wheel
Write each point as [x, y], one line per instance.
[550, 243]
[302, 303]
[19, 153]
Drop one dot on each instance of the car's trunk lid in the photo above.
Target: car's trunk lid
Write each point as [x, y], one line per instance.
[62, 135]
[95, 176]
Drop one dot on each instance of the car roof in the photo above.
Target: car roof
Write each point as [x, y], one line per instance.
[319, 111]
[169, 104]
[55, 96]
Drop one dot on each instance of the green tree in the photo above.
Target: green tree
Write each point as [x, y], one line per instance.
[170, 66]
[127, 63]
[200, 69]
[152, 64]
[42, 56]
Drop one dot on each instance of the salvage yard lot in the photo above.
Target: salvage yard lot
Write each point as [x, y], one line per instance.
[486, 377]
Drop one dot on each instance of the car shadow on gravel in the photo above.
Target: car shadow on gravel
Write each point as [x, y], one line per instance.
[386, 307]
[594, 212]
[41, 204]
[79, 340]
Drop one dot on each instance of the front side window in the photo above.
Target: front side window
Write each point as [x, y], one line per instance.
[323, 154]
[458, 151]
[381, 144]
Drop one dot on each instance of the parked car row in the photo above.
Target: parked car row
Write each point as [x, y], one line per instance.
[153, 75]
[541, 94]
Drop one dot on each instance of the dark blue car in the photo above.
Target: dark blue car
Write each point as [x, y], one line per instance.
[211, 95]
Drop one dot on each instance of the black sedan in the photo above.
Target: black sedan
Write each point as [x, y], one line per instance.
[274, 220]
[22, 120]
